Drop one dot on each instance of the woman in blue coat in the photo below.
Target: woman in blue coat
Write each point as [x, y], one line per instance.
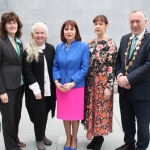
[70, 66]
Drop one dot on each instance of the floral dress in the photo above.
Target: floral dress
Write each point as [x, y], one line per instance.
[98, 111]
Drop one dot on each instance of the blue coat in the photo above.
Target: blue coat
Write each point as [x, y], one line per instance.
[72, 64]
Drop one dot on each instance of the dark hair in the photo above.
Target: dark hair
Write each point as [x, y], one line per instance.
[7, 17]
[73, 24]
[101, 18]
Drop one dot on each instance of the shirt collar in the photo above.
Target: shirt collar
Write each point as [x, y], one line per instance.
[16, 39]
[65, 46]
[140, 35]
[71, 42]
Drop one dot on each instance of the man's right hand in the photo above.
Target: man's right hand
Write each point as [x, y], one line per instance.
[122, 81]
[4, 98]
[128, 86]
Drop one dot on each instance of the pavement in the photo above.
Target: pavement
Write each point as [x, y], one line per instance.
[55, 132]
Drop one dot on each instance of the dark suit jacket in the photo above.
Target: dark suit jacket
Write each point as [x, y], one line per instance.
[34, 72]
[10, 66]
[139, 73]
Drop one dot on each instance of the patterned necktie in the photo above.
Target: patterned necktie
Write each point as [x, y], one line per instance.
[133, 45]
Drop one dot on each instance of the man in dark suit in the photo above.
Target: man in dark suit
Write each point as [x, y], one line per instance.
[133, 77]
[11, 81]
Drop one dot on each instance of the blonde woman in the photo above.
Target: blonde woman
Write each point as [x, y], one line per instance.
[39, 86]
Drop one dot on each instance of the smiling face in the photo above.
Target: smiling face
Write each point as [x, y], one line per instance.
[69, 33]
[39, 35]
[11, 27]
[100, 27]
[137, 23]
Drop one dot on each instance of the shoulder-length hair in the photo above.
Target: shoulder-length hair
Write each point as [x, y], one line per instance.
[7, 17]
[73, 24]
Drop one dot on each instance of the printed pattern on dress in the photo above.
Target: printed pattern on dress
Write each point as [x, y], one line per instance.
[98, 111]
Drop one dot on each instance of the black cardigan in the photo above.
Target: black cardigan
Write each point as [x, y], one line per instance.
[34, 72]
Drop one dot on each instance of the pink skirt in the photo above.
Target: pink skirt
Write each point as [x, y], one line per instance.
[70, 105]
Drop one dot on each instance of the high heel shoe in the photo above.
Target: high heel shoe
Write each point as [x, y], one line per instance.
[73, 148]
[66, 148]
[91, 144]
[76, 146]
[98, 143]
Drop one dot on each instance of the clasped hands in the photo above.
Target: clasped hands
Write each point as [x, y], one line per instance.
[122, 81]
[65, 87]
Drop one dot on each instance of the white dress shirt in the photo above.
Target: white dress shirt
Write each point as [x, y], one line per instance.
[139, 38]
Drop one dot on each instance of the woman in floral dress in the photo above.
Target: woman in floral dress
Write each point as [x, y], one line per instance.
[99, 85]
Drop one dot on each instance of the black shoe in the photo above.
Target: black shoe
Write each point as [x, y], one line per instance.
[21, 144]
[126, 147]
[91, 144]
[98, 143]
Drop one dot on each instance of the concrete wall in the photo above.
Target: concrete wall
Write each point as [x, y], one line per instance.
[55, 12]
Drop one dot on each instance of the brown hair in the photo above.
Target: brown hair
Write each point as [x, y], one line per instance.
[101, 18]
[73, 24]
[7, 17]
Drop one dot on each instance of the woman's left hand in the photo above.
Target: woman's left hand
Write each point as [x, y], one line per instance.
[67, 87]
[107, 93]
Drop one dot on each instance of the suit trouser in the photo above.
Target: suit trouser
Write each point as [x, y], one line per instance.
[11, 114]
[39, 117]
[139, 110]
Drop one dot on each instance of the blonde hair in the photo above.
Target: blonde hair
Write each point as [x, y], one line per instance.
[32, 47]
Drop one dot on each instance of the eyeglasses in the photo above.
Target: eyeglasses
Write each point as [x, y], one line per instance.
[39, 23]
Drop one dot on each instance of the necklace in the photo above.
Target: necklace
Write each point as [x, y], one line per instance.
[127, 66]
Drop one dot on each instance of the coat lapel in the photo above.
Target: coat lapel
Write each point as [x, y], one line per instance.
[21, 51]
[143, 41]
[48, 54]
[127, 41]
[14, 51]
[64, 56]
